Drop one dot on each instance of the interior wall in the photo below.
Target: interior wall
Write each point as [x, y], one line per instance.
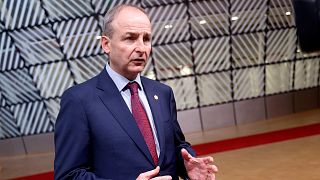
[221, 57]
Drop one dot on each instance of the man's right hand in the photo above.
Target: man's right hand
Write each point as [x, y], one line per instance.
[151, 175]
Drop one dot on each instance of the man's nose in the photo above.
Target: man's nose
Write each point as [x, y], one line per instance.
[141, 46]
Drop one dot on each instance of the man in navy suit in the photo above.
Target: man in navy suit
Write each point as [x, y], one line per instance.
[96, 134]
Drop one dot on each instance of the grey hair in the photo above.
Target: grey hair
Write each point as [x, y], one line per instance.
[107, 29]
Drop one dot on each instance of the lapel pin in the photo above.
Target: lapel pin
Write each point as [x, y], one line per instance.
[156, 97]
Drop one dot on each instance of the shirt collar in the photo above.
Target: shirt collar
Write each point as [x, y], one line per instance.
[120, 80]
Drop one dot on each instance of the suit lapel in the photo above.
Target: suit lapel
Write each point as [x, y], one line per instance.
[112, 99]
[154, 102]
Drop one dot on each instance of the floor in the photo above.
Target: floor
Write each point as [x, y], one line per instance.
[296, 159]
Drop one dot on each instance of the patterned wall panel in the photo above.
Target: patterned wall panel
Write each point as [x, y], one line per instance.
[212, 55]
[248, 83]
[100, 23]
[214, 88]
[247, 49]
[281, 45]
[209, 18]
[1, 27]
[52, 79]
[210, 52]
[280, 14]
[78, 37]
[2, 99]
[85, 68]
[306, 73]
[61, 9]
[184, 92]
[9, 55]
[32, 118]
[248, 16]
[169, 23]
[279, 78]
[17, 14]
[8, 124]
[102, 6]
[18, 86]
[53, 106]
[173, 60]
[159, 2]
[37, 44]
[149, 70]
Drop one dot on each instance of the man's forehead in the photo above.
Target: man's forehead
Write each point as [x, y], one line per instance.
[130, 14]
[138, 32]
[133, 23]
[132, 27]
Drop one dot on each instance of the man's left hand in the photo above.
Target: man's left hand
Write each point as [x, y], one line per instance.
[199, 168]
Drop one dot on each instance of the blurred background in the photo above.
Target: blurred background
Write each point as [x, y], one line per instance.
[229, 62]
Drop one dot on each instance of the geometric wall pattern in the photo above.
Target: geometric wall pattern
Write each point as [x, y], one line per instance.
[209, 51]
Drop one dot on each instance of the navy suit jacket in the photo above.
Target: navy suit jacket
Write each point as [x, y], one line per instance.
[96, 136]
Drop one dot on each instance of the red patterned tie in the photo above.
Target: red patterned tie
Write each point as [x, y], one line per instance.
[141, 118]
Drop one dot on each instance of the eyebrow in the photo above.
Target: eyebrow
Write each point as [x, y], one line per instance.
[135, 33]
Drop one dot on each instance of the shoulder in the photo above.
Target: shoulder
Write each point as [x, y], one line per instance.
[157, 87]
[156, 84]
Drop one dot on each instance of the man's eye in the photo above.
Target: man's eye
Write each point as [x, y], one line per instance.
[129, 38]
[147, 39]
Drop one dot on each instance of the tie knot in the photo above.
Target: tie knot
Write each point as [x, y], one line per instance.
[133, 86]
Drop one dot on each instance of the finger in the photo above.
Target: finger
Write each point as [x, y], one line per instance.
[208, 160]
[186, 156]
[212, 169]
[215, 168]
[150, 174]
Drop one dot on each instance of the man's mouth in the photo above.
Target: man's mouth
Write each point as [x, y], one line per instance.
[138, 60]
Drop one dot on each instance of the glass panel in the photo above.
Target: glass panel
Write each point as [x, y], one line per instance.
[248, 16]
[279, 78]
[169, 23]
[214, 88]
[248, 83]
[173, 60]
[212, 54]
[37, 45]
[248, 49]
[281, 45]
[306, 73]
[280, 14]
[209, 18]
[184, 91]
[52, 79]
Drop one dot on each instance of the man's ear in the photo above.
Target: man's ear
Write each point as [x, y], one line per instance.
[105, 43]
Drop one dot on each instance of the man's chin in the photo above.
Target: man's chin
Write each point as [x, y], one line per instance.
[138, 69]
[133, 73]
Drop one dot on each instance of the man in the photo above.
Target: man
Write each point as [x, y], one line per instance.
[98, 133]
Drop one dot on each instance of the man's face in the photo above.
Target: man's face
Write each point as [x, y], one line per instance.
[130, 44]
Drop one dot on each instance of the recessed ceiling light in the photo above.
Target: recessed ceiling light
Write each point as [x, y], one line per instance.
[202, 22]
[234, 18]
[168, 26]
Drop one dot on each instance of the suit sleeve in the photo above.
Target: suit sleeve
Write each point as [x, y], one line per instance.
[180, 141]
[72, 141]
